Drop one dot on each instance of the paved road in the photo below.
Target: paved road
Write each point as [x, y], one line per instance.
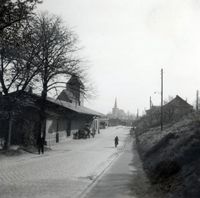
[124, 179]
[64, 172]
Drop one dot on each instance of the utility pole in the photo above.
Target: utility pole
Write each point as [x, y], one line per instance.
[151, 104]
[161, 106]
[197, 101]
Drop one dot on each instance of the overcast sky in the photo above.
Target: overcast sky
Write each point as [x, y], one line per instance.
[127, 42]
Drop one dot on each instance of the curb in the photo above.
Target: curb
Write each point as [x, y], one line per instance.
[115, 156]
[98, 177]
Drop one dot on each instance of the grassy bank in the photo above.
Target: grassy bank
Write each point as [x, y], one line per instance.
[171, 158]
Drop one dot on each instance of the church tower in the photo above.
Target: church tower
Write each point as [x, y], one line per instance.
[115, 106]
[115, 109]
[73, 92]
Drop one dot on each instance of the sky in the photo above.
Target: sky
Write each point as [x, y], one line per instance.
[126, 43]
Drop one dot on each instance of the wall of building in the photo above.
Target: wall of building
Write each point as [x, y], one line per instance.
[60, 120]
[77, 124]
[95, 125]
[66, 128]
[54, 126]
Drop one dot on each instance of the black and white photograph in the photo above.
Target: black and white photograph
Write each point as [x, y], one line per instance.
[99, 98]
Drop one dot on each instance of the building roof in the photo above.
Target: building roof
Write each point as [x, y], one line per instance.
[178, 101]
[78, 109]
[153, 109]
[65, 95]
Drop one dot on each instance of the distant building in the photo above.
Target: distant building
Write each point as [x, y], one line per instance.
[119, 117]
[172, 111]
[176, 109]
[116, 112]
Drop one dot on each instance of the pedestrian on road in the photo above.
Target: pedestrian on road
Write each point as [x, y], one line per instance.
[116, 141]
[40, 144]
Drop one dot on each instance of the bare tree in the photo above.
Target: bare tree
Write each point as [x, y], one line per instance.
[58, 57]
[19, 58]
[40, 51]
[13, 12]
[18, 51]
[17, 69]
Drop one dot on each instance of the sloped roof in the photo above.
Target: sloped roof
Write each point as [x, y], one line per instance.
[66, 94]
[153, 109]
[67, 105]
[76, 108]
[178, 101]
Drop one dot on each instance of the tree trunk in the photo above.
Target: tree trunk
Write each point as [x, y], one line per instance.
[42, 126]
[9, 132]
[9, 135]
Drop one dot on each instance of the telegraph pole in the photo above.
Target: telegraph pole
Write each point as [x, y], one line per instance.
[161, 106]
[197, 101]
[150, 101]
[137, 113]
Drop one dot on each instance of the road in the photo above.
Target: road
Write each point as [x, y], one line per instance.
[125, 178]
[67, 171]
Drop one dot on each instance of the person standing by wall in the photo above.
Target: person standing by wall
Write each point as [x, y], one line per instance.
[116, 141]
[40, 144]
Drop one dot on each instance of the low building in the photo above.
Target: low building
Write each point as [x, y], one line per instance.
[172, 111]
[64, 116]
[176, 108]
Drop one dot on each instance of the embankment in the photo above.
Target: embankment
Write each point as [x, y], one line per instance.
[171, 158]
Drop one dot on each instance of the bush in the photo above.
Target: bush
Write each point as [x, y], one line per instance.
[164, 169]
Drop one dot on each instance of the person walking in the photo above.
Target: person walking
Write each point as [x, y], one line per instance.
[116, 141]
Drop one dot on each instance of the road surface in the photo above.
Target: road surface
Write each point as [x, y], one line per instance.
[125, 178]
[65, 172]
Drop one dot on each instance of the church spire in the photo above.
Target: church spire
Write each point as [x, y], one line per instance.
[115, 103]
